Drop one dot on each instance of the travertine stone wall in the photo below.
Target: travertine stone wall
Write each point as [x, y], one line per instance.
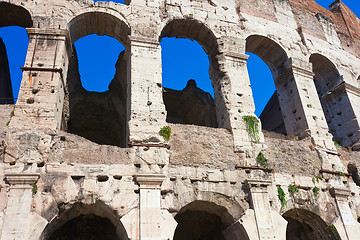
[147, 188]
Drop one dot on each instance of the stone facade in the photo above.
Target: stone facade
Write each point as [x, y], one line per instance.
[67, 173]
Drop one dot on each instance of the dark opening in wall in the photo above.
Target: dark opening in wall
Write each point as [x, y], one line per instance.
[185, 75]
[202, 220]
[352, 169]
[304, 225]
[89, 227]
[97, 109]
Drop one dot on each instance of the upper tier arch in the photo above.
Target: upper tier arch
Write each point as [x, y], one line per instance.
[12, 15]
[99, 21]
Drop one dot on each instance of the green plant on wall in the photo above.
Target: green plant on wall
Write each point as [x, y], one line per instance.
[341, 173]
[334, 232]
[34, 189]
[252, 127]
[282, 196]
[261, 160]
[317, 179]
[292, 190]
[165, 132]
[316, 191]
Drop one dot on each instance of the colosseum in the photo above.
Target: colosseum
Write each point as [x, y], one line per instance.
[139, 162]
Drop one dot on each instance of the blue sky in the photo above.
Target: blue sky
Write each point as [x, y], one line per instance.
[182, 60]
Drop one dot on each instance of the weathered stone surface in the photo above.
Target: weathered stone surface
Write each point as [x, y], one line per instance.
[116, 174]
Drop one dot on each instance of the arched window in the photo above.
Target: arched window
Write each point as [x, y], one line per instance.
[188, 103]
[272, 117]
[13, 47]
[98, 116]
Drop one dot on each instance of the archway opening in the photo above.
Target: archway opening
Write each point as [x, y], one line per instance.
[89, 227]
[14, 42]
[99, 115]
[188, 94]
[332, 95]
[202, 220]
[91, 222]
[304, 225]
[264, 51]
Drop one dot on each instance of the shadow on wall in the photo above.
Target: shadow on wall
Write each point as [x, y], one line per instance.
[98, 117]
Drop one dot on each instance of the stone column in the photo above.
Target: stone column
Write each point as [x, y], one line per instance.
[42, 91]
[233, 94]
[300, 105]
[352, 228]
[19, 204]
[259, 201]
[150, 206]
[147, 110]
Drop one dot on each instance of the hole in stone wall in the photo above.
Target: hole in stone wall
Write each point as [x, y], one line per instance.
[97, 102]
[352, 169]
[102, 178]
[14, 43]
[188, 94]
[358, 81]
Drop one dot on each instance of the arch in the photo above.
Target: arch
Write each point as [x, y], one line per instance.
[83, 219]
[327, 77]
[13, 15]
[358, 81]
[272, 118]
[189, 112]
[206, 220]
[232, 207]
[112, 104]
[304, 224]
[269, 51]
[99, 21]
[193, 30]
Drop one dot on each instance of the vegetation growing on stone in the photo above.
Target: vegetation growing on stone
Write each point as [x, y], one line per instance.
[261, 160]
[317, 179]
[282, 196]
[34, 189]
[334, 232]
[292, 190]
[341, 173]
[337, 145]
[165, 132]
[252, 127]
[316, 191]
